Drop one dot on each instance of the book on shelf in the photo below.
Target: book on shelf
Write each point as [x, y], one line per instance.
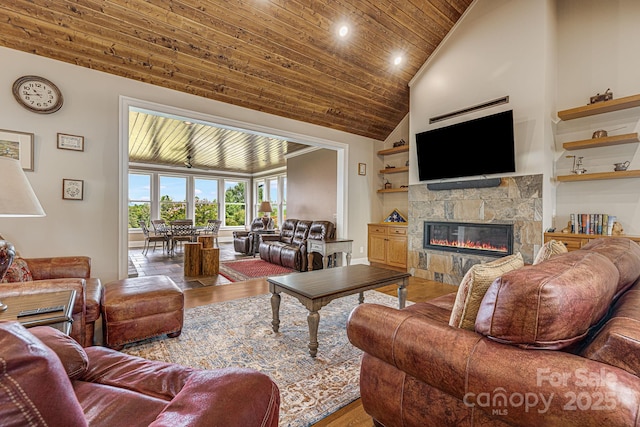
[598, 223]
[583, 223]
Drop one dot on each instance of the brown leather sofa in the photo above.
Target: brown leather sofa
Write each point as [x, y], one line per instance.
[246, 241]
[48, 379]
[555, 344]
[61, 273]
[289, 247]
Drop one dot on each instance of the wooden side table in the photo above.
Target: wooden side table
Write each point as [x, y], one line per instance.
[59, 319]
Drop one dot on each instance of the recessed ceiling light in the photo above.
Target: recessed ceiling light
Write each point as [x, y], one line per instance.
[343, 31]
[397, 60]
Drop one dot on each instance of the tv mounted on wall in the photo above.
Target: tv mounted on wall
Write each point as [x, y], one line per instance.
[477, 147]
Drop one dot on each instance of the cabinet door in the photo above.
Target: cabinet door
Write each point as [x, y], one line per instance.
[377, 248]
[397, 251]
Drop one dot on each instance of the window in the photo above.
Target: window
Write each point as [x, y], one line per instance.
[206, 200]
[139, 199]
[173, 198]
[235, 208]
[273, 198]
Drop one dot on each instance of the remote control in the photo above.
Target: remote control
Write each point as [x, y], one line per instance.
[40, 310]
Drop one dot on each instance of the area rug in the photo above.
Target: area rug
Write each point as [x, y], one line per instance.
[251, 268]
[239, 333]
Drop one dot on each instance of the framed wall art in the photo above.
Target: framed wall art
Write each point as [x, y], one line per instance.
[72, 189]
[17, 145]
[70, 142]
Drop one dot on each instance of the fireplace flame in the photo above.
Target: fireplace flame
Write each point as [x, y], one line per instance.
[468, 244]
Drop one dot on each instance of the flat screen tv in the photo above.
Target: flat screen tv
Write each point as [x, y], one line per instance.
[482, 146]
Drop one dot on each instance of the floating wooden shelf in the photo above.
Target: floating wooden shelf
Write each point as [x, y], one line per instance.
[627, 138]
[394, 190]
[400, 149]
[599, 175]
[600, 107]
[395, 170]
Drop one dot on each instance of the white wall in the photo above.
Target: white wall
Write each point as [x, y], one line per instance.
[92, 109]
[499, 48]
[311, 186]
[598, 49]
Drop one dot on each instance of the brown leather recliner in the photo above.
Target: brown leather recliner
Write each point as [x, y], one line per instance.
[48, 379]
[555, 344]
[289, 248]
[62, 273]
[246, 241]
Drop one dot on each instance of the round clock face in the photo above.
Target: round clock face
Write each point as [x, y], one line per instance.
[37, 94]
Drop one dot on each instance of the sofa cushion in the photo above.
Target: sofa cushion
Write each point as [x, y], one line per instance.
[18, 272]
[617, 344]
[301, 233]
[550, 305]
[624, 254]
[474, 285]
[71, 354]
[287, 230]
[321, 230]
[35, 387]
[549, 249]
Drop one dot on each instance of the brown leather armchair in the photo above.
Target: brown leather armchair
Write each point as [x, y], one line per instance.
[48, 379]
[246, 241]
[62, 273]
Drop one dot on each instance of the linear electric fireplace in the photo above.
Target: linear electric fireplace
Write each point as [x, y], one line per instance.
[479, 239]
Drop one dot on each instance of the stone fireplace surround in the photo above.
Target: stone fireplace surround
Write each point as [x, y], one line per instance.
[517, 201]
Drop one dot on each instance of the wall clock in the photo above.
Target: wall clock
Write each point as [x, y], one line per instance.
[37, 94]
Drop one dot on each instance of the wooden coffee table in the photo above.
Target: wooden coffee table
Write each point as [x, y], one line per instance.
[315, 289]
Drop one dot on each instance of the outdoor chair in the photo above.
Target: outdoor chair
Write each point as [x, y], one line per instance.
[148, 239]
[182, 230]
[213, 227]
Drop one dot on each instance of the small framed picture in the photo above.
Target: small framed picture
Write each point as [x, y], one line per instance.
[70, 142]
[19, 146]
[72, 189]
[362, 168]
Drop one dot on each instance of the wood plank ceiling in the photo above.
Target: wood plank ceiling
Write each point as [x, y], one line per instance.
[282, 57]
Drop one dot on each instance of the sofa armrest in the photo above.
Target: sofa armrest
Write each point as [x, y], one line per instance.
[234, 397]
[196, 397]
[270, 237]
[240, 234]
[485, 374]
[93, 293]
[59, 267]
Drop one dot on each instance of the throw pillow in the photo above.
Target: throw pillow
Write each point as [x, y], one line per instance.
[549, 249]
[475, 284]
[18, 272]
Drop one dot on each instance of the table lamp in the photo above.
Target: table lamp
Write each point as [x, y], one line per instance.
[266, 208]
[17, 199]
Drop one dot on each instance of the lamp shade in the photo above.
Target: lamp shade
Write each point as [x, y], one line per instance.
[17, 198]
[265, 207]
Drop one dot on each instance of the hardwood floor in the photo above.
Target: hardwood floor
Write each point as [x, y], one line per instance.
[352, 415]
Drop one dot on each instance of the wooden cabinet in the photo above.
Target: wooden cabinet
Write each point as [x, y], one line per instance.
[387, 244]
[398, 169]
[576, 241]
[590, 110]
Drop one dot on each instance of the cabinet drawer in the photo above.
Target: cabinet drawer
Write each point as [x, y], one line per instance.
[397, 231]
[378, 229]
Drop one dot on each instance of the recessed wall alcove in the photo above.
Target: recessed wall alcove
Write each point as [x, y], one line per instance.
[516, 201]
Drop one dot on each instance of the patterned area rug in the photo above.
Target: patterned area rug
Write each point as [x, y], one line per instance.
[251, 268]
[239, 333]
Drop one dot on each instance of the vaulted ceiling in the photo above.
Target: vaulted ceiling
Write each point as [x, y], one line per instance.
[278, 56]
